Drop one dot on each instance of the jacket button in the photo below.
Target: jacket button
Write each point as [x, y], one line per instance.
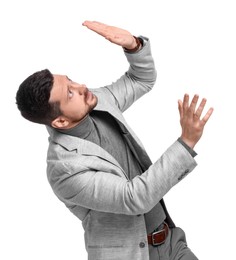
[141, 244]
[138, 215]
[186, 171]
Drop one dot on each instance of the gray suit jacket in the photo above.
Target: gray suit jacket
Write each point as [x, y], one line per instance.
[96, 189]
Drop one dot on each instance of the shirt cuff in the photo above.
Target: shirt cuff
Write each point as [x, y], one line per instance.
[190, 150]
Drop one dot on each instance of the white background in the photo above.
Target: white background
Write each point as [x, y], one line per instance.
[193, 44]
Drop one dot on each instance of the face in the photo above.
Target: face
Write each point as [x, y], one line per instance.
[76, 101]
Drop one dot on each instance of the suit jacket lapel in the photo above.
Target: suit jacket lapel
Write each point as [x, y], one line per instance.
[82, 146]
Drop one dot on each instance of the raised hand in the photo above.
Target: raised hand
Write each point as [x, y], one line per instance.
[113, 34]
[190, 119]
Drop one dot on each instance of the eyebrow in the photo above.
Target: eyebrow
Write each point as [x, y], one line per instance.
[67, 87]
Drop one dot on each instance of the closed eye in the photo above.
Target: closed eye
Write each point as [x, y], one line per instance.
[70, 93]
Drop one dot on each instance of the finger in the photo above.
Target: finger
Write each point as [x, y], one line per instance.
[199, 110]
[185, 102]
[207, 116]
[180, 107]
[97, 27]
[193, 104]
[94, 24]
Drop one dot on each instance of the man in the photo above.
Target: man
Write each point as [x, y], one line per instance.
[98, 167]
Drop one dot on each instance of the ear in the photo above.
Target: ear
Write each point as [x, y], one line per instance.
[60, 122]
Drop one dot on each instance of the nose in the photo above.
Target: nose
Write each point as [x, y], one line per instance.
[81, 88]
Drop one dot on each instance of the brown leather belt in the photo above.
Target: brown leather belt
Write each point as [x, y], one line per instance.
[158, 237]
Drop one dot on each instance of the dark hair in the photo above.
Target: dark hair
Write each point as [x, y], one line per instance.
[32, 98]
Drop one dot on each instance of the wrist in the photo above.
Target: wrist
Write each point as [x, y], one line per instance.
[189, 143]
[189, 149]
[137, 45]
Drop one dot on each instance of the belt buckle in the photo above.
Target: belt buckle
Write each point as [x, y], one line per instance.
[158, 232]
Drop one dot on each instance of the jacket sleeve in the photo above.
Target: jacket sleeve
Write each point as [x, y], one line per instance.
[107, 191]
[137, 81]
